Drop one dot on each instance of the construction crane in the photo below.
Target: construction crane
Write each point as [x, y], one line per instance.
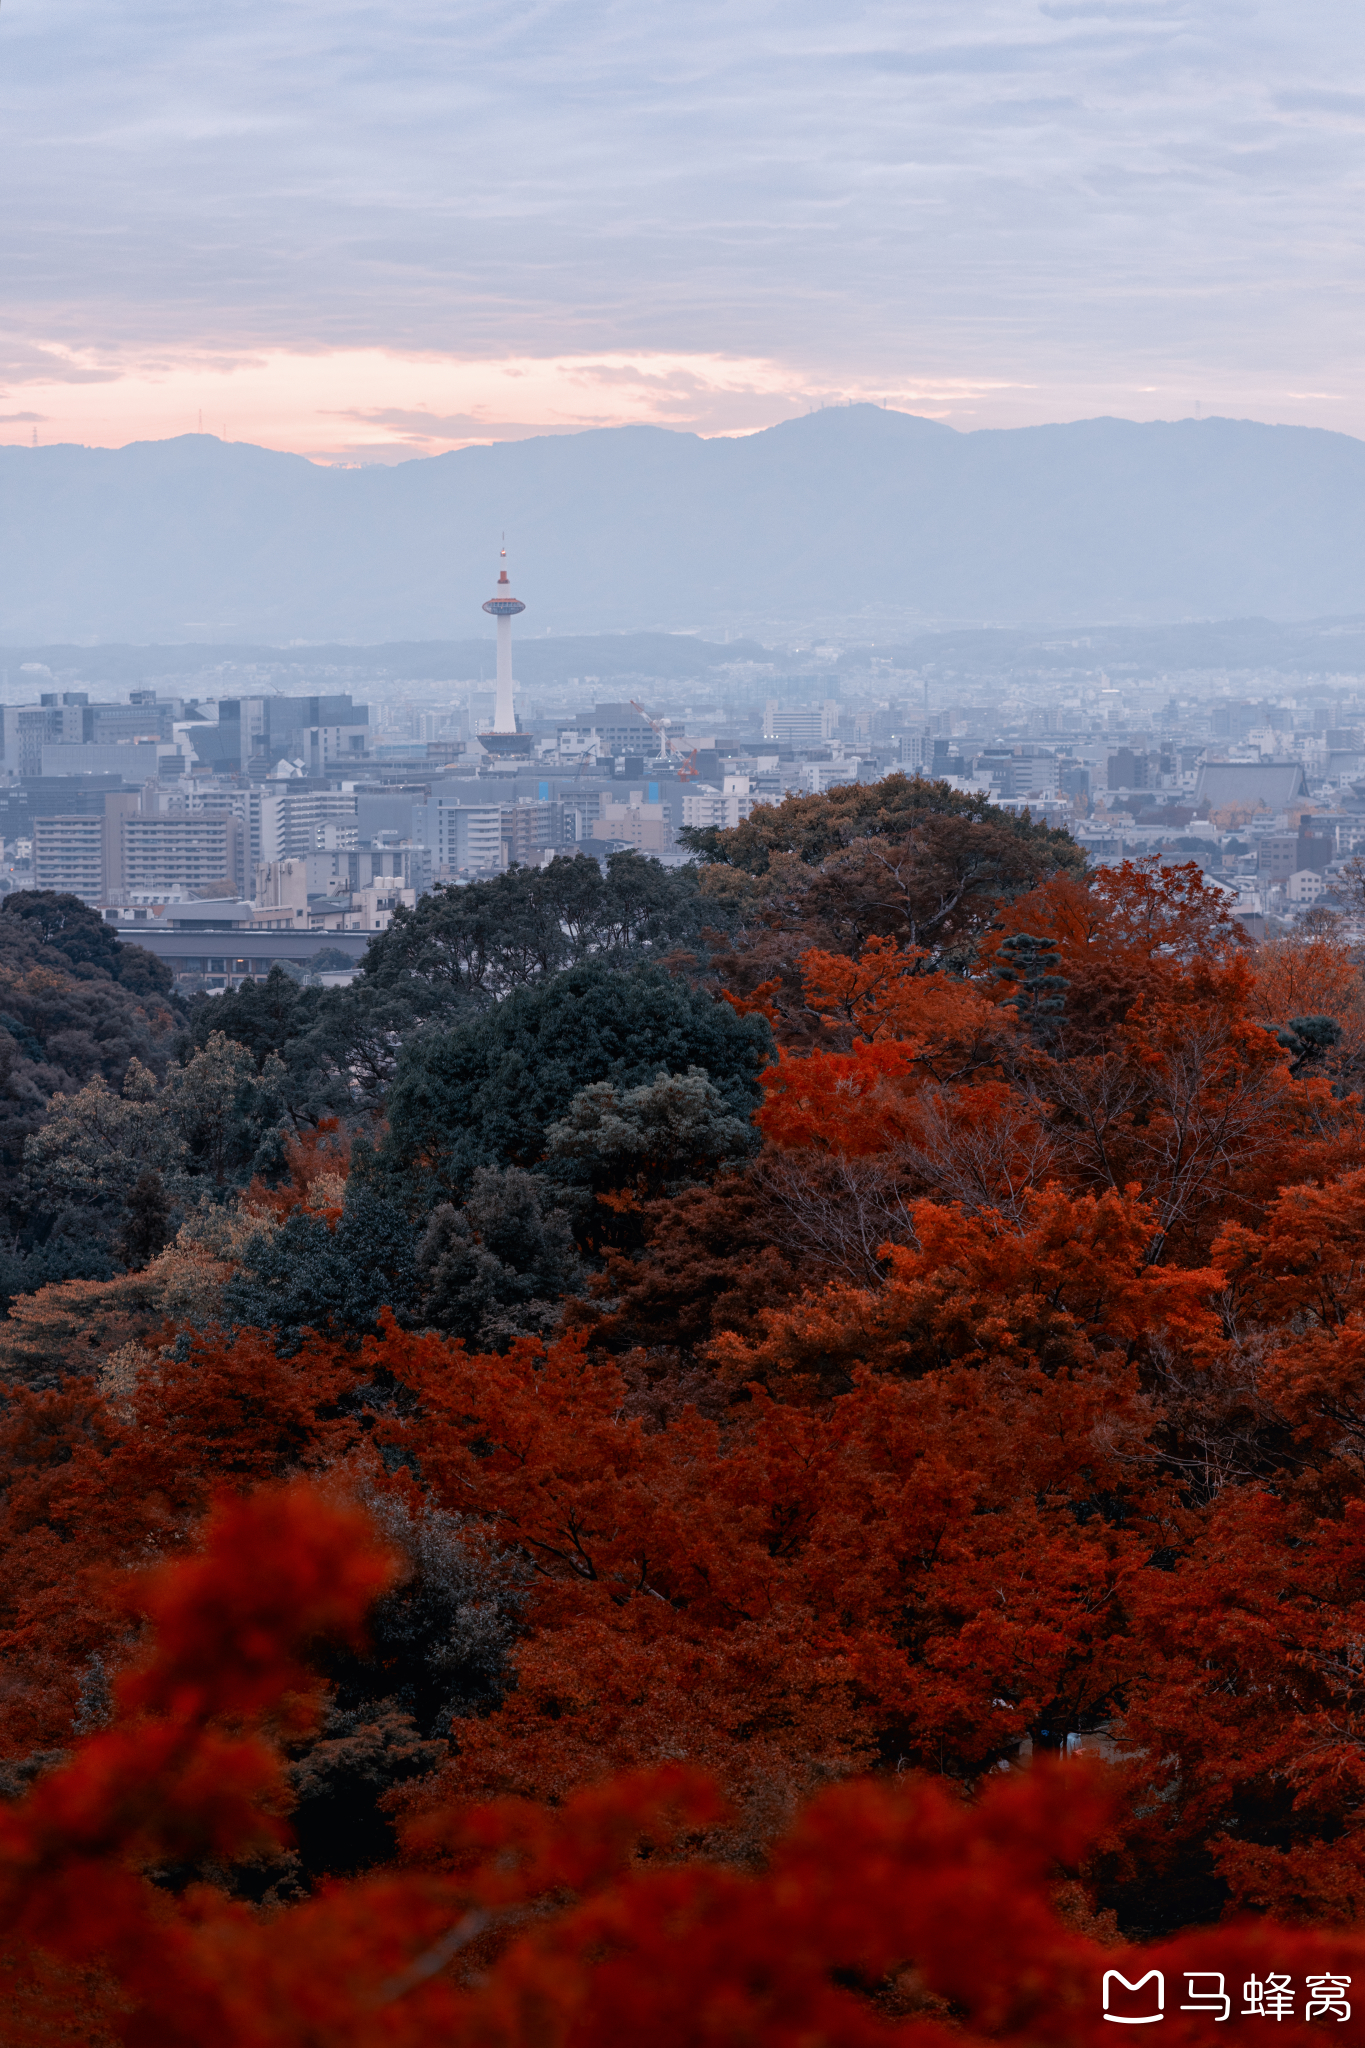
[660, 726]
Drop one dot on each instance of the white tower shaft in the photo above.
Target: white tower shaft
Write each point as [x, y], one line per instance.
[504, 717]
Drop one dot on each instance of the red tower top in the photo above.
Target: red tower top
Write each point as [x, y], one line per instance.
[502, 604]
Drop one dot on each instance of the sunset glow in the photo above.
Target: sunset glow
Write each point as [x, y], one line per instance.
[368, 405]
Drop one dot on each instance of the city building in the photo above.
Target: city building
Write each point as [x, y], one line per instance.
[68, 855]
[462, 838]
[1305, 886]
[252, 735]
[620, 729]
[1248, 786]
[723, 807]
[532, 827]
[164, 850]
[803, 727]
[644, 826]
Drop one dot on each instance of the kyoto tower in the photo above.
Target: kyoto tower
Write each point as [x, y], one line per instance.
[504, 738]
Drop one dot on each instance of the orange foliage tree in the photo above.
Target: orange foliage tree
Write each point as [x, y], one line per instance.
[888, 1914]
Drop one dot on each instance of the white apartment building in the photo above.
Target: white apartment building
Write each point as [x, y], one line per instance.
[99, 858]
[187, 849]
[68, 856]
[463, 838]
[1305, 886]
[805, 726]
[818, 776]
[296, 822]
[722, 808]
[287, 901]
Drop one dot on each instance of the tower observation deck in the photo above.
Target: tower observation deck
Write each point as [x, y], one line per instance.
[504, 738]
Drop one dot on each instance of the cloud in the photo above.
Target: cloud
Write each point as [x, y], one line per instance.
[1054, 204]
[1316, 100]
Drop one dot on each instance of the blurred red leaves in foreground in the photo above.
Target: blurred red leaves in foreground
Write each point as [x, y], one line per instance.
[592, 1923]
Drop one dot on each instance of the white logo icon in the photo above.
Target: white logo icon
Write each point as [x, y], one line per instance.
[1127, 2019]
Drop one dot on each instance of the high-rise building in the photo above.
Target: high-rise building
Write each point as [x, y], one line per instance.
[294, 821]
[253, 734]
[531, 828]
[68, 856]
[130, 851]
[167, 850]
[463, 838]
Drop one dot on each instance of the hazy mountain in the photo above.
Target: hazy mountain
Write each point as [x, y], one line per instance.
[852, 513]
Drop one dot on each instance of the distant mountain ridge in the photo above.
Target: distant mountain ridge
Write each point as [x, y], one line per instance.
[851, 513]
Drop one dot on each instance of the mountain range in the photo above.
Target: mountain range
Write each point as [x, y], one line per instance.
[851, 519]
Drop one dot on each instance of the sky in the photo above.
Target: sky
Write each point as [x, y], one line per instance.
[366, 233]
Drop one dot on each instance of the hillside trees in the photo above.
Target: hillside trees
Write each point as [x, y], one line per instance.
[63, 924]
[479, 942]
[904, 860]
[486, 1093]
[458, 951]
[74, 1006]
[762, 1519]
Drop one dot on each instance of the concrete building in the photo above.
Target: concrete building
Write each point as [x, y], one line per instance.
[68, 855]
[163, 850]
[1249, 786]
[620, 729]
[68, 719]
[644, 826]
[294, 821]
[131, 760]
[253, 734]
[1019, 771]
[129, 851]
[531, 828]
[244, 804]
[463, 839]
[1129, 769]
[1304, 886]
[722, 808]
[1277, 858]
[286, 900]
[806, 726]
[818, 776]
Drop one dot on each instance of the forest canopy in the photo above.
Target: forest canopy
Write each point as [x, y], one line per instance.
[773, 1453]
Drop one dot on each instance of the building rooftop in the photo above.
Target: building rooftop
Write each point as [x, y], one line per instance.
[1225, 784]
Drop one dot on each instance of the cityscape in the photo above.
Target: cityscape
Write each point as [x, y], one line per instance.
[682, 1024]
[300, 822]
